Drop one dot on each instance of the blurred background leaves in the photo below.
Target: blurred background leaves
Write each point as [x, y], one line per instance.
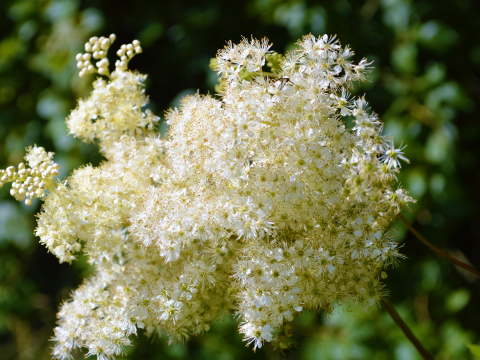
[426, 88]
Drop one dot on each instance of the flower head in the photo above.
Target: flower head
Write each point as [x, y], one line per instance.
[262, 201]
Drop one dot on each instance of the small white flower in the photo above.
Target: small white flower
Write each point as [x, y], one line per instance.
[392, 156]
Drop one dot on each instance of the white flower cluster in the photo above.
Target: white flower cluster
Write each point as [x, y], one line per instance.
[33, 181]
[246, 55]
[113, 110]
[262, 202]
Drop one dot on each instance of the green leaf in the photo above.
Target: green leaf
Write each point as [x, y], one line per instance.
[475, 350]
[457, 300]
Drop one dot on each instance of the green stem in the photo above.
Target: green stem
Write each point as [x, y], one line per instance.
[270, 75]
[439, 251]
[406, 330]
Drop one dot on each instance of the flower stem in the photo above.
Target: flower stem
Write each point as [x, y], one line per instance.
[439, 251]
[406, 330]
[270, 75]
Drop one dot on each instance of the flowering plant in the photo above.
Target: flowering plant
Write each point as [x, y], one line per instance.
[260, 201]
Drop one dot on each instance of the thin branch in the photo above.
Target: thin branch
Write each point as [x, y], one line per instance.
[439, 251]
[406, 330]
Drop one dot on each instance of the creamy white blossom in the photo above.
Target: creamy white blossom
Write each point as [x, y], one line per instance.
[260, 202]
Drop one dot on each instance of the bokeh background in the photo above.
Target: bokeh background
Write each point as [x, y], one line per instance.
[426, 88]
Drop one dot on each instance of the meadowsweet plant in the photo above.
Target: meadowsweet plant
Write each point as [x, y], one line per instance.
[260, 201]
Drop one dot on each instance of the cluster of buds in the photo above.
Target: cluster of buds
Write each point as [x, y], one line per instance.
[7, 175]
[126, 53]
[98, 49]
[31, 183]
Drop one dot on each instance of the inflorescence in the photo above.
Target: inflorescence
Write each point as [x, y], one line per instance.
[260, 201]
